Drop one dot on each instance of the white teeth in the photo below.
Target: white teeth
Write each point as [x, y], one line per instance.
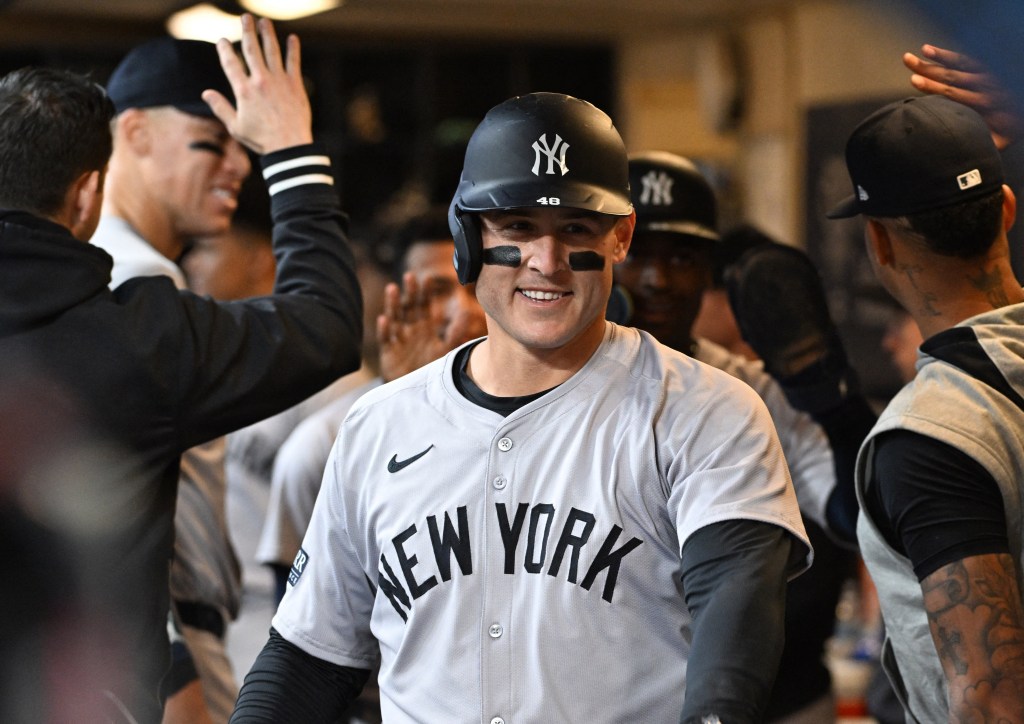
[225, 193]
[542, 296]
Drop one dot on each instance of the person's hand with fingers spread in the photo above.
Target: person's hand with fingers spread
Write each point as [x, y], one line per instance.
[964, 80]
[407, 333]
[465, 323]
[273, 110]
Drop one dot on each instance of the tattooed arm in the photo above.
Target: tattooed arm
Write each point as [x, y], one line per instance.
[944, 511]
[977, 623]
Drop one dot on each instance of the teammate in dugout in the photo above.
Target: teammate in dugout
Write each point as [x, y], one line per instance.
[675, 254]
[564, 521]
[939, 476]
[152, 369]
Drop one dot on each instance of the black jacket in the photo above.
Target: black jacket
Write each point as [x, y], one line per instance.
[152, 371]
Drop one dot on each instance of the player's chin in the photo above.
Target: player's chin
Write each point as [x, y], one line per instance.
[566, 332]
[657, 324]
[546, 337]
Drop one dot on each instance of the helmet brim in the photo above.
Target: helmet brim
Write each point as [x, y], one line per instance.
[517, 195]
[683, 228]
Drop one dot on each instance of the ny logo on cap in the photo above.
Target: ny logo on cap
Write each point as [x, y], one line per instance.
[861, 193]
[970, 179]
[555, 154]
[657, 190]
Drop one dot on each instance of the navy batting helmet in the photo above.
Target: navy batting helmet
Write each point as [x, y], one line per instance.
[541, 149]
[670, 194]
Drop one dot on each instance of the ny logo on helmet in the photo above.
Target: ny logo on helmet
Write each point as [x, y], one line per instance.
[555, 154]
[657, 190]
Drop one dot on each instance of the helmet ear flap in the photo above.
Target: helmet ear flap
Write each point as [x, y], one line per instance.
[469, 243]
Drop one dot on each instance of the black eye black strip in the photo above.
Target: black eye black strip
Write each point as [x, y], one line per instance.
[586, 261]
[503, 256]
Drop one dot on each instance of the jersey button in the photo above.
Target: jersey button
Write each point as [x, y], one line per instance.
[500, 483]
[495, 630]
[505, 444]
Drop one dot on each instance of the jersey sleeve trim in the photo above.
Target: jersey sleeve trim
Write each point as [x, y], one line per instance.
[310, 178]
[282, 166]
[296, 166]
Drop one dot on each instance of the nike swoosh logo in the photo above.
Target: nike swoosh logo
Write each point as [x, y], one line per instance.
[394, 465]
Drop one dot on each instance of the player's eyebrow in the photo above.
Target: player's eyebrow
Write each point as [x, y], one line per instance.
[208, 146]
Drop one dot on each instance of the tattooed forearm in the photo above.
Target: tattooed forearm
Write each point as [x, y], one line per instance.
[977, 623]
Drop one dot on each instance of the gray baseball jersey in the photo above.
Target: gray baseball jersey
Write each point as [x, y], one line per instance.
[526, 568]
[804, 442]
[298, 472]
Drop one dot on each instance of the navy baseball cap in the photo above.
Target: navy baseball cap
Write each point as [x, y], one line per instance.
[169, 72]
[670, 194]
[919, 154]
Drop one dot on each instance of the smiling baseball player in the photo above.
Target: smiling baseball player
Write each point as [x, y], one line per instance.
[564, 521]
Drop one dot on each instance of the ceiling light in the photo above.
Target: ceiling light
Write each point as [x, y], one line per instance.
[204, 22]
[288, 9]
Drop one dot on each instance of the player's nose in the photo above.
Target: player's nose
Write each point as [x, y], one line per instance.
[547, 255]
[653, 276]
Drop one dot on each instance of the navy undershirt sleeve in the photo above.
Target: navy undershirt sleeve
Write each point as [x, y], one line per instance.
[933, 503]
[846, 425]
[288, 686]
[734, 579]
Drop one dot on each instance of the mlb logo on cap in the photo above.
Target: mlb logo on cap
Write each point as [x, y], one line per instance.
[969, 179]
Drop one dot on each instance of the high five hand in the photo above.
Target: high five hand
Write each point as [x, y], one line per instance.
[273, 109]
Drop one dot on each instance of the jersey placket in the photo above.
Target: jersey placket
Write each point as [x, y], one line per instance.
[496, 649]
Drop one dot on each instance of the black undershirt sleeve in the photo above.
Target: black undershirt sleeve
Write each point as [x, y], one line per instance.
[734, 578]
[288, 686]
[846, 426]
[281, 572]
[933, 503]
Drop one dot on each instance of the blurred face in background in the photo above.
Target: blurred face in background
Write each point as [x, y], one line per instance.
[454, 309]
[666, 275]
[236, 264]
[194, 170]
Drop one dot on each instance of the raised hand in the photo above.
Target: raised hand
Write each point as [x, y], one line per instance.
[961, 78]
[273, 110]
[407, 333]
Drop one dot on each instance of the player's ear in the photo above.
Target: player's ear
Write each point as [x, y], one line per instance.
[1009, 208]
[624, 226]
[878, 241]
[84, 201]
[135, 129]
